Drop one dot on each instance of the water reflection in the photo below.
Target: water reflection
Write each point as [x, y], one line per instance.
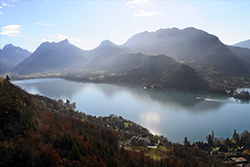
[53, 88]
[174, 99]
[151, 120]
[58, 88]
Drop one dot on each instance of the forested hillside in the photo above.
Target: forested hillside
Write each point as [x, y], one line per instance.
[31, 136]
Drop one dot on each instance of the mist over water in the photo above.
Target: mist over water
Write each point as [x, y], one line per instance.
[171, 114]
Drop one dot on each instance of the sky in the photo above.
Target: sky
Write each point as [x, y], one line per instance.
[28, 23]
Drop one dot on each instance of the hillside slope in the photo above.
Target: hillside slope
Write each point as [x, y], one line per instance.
[159, 70]
[32, 135]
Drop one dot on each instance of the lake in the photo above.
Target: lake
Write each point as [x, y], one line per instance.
[171, 114]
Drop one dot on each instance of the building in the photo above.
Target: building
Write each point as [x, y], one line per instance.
[139, 141]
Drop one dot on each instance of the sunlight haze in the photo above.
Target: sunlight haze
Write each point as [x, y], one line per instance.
[86, 23]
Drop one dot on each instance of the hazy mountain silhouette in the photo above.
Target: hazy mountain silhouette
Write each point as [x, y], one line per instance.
[243, 54]
[104, 54]
[243, 44]
[10, 56]
[202, 51]
[3, 65]
[157, 69]
[53, 56]
[146, 56]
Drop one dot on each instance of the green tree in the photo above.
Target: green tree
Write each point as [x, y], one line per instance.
[76, 152]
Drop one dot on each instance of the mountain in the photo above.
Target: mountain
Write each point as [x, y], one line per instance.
[10, 56]
[52, 57]
[3, 66]
[243, 54]
[13, 55]
[159, 70]
[199, 49]
[104, 54]
[179, 44]
[243, 44]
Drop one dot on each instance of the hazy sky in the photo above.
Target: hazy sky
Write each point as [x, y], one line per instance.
[86, 23]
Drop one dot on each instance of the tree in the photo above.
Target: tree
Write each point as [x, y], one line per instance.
[236, 137]
[186, 142]
[7, 78]
[76, 152]
[245, 152]
[209, 140]
[51, 158]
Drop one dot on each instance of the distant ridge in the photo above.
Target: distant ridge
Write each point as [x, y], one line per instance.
[243, 44]
[52, 56]
[199, 49]
[10, 56]
[13, 55]
[159, 70]
[104, 54]
[107, 44]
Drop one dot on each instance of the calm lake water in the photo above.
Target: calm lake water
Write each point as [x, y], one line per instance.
[171, 114]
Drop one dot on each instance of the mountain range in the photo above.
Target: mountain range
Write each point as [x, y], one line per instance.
[202, 53]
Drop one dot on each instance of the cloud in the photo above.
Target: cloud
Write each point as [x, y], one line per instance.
[61, 37]
[57, 37]
[46, 40]
[1, 7]
[145, 14]
[137, 2]
[44, 24]
[10, 30]
[7, 5]
[134, 3]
